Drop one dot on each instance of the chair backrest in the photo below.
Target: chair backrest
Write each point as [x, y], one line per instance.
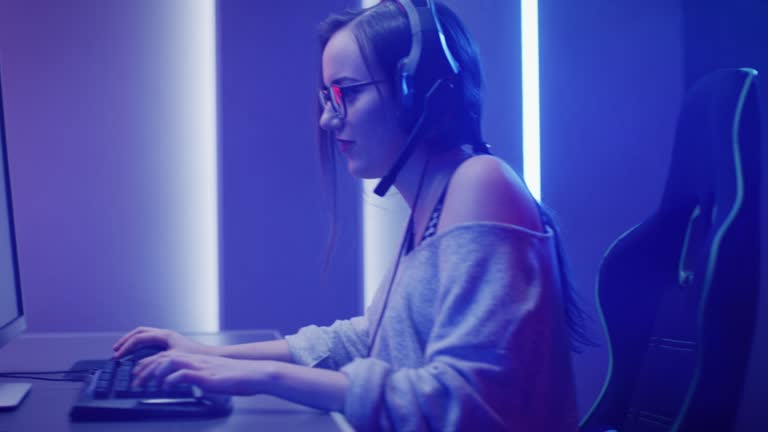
[677, 294]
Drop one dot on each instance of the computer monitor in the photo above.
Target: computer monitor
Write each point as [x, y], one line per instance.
[12, 318]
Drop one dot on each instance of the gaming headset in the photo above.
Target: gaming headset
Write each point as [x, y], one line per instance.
[424, 81]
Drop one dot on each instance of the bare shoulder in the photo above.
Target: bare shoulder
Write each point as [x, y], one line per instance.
[485, 189]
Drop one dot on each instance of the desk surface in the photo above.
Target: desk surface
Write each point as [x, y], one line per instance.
[46, 407]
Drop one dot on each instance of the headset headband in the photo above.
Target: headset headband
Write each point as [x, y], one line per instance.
[426, 31]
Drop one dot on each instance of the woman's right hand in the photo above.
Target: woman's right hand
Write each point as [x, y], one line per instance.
[169, 339]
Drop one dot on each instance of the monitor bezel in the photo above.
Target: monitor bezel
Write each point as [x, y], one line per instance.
[19, 324]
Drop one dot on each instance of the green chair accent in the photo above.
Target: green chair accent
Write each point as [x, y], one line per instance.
[677, 294]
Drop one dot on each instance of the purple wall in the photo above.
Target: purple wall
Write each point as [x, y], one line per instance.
[611, 86]
[273, 221]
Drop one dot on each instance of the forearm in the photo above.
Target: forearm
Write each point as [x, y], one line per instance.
[270, 350]
[318, 388]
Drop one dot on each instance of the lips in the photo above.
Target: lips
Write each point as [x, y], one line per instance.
[344, 145]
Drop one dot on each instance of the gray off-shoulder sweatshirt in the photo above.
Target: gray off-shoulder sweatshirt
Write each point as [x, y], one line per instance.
[472, 338]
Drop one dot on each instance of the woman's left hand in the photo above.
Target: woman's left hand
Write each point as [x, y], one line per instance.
[211, 373]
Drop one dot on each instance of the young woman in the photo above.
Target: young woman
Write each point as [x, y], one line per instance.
[469, 330]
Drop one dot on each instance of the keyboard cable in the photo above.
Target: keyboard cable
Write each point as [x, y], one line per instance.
[33, 375]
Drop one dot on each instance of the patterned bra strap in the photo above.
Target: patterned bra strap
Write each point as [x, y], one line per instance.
[431, 228]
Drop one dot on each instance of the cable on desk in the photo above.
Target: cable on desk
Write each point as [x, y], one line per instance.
[33, 375]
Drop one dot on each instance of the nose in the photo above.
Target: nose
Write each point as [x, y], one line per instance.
[329, 121]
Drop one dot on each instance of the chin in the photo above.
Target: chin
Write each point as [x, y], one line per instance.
[361, 170]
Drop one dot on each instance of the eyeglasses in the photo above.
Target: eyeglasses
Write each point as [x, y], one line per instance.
[337, 95]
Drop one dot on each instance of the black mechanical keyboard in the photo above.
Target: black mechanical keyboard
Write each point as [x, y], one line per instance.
[108, 394]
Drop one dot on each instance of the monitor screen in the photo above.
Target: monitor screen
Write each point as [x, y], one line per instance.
[12, 320]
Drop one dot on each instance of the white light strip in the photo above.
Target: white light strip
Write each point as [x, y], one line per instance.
[208, 168]
[213, 160]
[529, 36]
[383, 223]
[372, 255]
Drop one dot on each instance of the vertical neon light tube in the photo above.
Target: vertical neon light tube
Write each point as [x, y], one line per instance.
[211, 170]
[198, 103]
[529, 37]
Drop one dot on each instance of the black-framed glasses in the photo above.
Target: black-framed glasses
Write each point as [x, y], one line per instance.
[337, 95]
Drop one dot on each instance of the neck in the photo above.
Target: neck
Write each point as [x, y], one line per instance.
[436, 168]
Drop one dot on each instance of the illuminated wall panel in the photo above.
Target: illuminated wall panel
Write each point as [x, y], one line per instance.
[112, 141]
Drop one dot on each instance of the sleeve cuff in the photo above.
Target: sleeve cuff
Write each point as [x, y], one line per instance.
[363, 407]
[308, 346]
